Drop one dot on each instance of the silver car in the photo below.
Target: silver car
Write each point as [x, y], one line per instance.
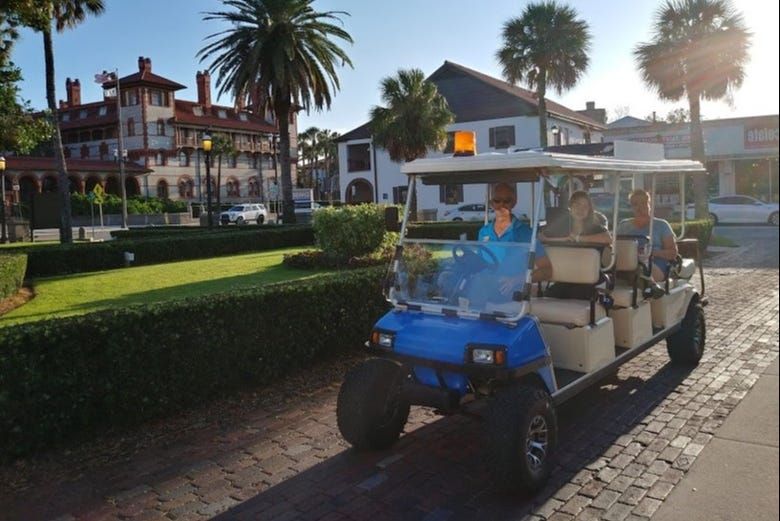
[244, 214]
[740, 209]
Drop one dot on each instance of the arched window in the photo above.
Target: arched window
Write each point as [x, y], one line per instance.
[162, 189]
[160, 127]
[253, 187]
[84, 151]
[103, 150]
[233, 188]
[159, 158]
[186, 188]
[184, 158]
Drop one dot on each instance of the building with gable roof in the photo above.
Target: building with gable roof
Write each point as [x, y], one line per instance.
[502, 115]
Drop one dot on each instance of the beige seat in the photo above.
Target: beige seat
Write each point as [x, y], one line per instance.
[622, 296]
[565, 311]
[626, 261]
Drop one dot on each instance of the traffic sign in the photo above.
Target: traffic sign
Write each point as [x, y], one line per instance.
[99, 194]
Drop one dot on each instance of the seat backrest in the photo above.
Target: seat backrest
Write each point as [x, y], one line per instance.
[627, 258]
[576, 265]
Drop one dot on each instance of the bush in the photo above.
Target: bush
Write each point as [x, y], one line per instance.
[12, 269]
[700, 229]
[151, 232]
[68, 377]
[349, 231]
[444, 230]
[45, 261]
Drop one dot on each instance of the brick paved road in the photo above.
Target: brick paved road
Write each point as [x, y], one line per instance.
[624, 444]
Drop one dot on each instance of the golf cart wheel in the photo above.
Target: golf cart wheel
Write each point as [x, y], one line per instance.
[686, 346]
[522, 431]
[369, 410]
[774, 219]
[260, 219]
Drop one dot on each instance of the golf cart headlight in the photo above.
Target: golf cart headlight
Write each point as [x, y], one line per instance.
[483, 356]
[382, 339]
[488, 355]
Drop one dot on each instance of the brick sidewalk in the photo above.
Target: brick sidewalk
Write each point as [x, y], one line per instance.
[624, 445]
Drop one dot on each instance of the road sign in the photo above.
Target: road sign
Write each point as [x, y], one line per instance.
[99, 194]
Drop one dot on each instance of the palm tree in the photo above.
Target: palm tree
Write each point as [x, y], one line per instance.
[64, 14]
[308, 149]
[699, 51]
[414, 119]
[221, 146]
[283, 50]
[546, 45]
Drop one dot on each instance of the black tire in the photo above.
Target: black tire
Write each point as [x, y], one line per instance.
[515, 418]
[714, 219]
[457, 219]
[686, 346]
[239, 221]
[260, 219]
[774, 219]
[369, 410]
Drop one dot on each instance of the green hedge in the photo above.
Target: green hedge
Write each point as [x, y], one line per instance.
[78, 258]
[12, 269]
[68, 377]
[701, 230]
[150, 232]
[80, 205]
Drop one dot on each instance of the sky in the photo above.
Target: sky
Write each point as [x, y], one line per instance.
[389, 36]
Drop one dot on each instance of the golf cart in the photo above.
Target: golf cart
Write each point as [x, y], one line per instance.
[457, 334]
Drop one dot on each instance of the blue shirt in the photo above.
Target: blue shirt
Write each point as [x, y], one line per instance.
[518, 231]
[661, 230]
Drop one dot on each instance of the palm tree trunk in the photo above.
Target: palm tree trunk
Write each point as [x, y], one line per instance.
[700, 182]
[283, 107]
[63, 186]
[541, 92]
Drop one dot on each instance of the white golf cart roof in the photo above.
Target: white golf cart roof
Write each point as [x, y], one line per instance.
[529, 165]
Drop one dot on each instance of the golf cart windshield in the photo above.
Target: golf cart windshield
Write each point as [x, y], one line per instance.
[462, 277]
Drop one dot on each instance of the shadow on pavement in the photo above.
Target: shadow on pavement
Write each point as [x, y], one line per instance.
[436, 470]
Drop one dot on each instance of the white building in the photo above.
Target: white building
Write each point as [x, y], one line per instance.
[501, 114]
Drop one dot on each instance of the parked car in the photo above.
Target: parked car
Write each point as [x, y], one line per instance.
[739, 209]
[244, 214]
[467, 212]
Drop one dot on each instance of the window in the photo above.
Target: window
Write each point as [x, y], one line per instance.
[83, 114]
[586, 136]
[159, 158]
[103, 150]
[358, 157]
[97, 135]
[65, 116]
[131, 97]
[102, 111]
[156, 97]
[232, 188]
[84, 151]
[197, 110]
[450, 146]
[232, 161]
[85, 135]
[186, 188]
[502, 137]
[110, 133]
[162, 189]
[399, 194]
[451, 194]
[130, 127]
[184, 158]
[254, 187]
[243, 117]
[221, 113]
[252, 160]
[66, 151]
[160, 127]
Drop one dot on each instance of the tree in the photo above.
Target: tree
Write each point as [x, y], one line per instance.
[221, 146]
[308, 150]
[40, 15]
[699, 51]
[20, 130]
[546, 45]
[414, 119]
[281, 55]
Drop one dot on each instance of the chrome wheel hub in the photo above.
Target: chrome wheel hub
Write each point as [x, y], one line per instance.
[536, 442]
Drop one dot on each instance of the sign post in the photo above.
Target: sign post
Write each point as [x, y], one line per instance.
[99, 194]
[91, 199]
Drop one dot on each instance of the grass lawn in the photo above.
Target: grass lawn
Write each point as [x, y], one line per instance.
[86, 292]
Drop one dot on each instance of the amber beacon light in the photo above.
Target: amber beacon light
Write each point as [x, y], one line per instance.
[465, 143]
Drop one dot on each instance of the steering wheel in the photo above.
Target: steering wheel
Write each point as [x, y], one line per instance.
[474, 257]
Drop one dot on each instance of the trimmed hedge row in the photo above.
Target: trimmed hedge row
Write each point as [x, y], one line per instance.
[12, 268]
[160, 231]
[79, 258]
[121, 367]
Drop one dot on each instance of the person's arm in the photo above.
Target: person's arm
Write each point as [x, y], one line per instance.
[668, 249]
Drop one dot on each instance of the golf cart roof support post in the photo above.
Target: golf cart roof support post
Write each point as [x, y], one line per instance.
[652, 212]
[537, 209]
[409, 193]
[683, 207]
[487, 202]
[615, 213]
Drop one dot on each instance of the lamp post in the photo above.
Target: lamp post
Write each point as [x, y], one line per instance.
[3, 233]
[207, 153]
[556, 135]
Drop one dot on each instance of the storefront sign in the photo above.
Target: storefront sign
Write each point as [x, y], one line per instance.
[668, 141]
[761, 136]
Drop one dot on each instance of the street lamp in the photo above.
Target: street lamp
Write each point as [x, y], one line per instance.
[207, 152]
[3, 233]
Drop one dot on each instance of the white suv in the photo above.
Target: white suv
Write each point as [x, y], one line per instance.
[244, 214]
